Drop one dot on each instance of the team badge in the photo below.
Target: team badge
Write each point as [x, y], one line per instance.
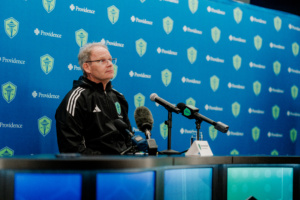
[139, 100]
[257, 42]
[293, 135]
[47, 63]
[9, 91]
[113, 14]
[44, 125]
[277, 23]
[213, 133]
[215, 34]
[255, 133]
[168, 24]
[192, 54]
[81, 37]
[235, 108]
[193, 5]
[164, 130]
[237, 62]
[140, 46]
[256, 87]
[11, 27]
[294, 91]
[118, 107]
[275, 112]
[295, 48]
[214, 83]
[238, 15]
[191, 102]
[276, 67]
[166, 77]
[49, 5]
[6, 151]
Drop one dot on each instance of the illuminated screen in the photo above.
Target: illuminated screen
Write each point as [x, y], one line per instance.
[193, 183]
[139, 185]
[29, 186]
[260, 183]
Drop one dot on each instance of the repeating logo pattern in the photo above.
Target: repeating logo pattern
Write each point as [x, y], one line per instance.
[139, 100]
[113, 14]
[44, 125]
[6, 152]
[215, 34]
[191, 102]
[294, 91]
[47, 63]
[9, 91]
[214, 82]
[81, 37]
[192, 54]
[275, 112]
[293, 135]
[258, 42]
[238, 15]
[295, 48]
[235, 108]
[168, 24]
[213, 133]
[255, 133]
[166, 77]
[11, 27]
[163, 130]
[256, 88]
[49, 5]
[277, 23]
[141, 47]
[276, 67]
[193, 5]
[237, 62]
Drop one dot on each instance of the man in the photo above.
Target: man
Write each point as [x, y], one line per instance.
[84, 119]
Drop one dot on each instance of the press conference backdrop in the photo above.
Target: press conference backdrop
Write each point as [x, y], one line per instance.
[238, 63]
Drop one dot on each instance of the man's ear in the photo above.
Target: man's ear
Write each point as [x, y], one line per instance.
[86, 68]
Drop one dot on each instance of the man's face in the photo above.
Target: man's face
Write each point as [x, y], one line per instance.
[99, 71]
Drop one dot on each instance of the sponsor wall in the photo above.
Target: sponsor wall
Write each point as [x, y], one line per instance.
[237, 63]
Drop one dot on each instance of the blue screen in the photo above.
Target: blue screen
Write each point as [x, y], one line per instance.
[195, 183]
[138, 185]
[29, 186]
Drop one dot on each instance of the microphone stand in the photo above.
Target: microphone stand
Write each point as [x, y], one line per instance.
[198, 126]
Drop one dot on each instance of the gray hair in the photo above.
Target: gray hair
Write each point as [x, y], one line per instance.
[85, 53]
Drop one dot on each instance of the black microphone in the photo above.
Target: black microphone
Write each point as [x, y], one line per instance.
[191, 112]
[144, 121]
[164, 103]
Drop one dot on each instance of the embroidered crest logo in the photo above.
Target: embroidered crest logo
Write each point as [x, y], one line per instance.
[11, 27]
[276, 67]
[118, 107]
[238, 15]
[115, 71]
[256, 87]
[237, 62]
[215, 34]
[214, 83]
[166, 77]
[190, 101]
[277, 23]
[235, 108]
[192, 54]
[140, 46]
[9, 91]
[139, 100]
[295, 48]
[193, 5]
[81, 37]
[168, 24]
[6, 151]
[49, 5]
[255, 133]
[113, 14]
[44, 125]
[213, 133]
[163, 130]
[47, 63]
[294, 91]
[275, 112]
[293, 135]
[257, 42]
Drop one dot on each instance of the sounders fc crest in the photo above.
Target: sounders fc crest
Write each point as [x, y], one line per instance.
[81, 37]
[11, 27]
[140, 46]
[191, 102]
[257, 42]
[293, 135]
[237, 62]
[256, 87]
[47, 63]
[235, 108]
[214, 82]
[276, 67]
[139, 100]
[49, 5]
[234, 152]
[44, 125]
[163, 130]
[275, 112]
[238, 15]
[168, 24]
[213, 133]
[255, 133]
[192, 54]
[215, 34]
[9, 91]
[277, 23]
[294, 91]
[295, 48]
[118, 107]
[193, 5]
[6, 151]
[113, 14]
[166, 77]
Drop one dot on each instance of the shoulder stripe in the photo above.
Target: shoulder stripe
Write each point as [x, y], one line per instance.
[73, 99]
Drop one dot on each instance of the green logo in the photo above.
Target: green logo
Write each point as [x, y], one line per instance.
[274, 153]
[141, 47]
[49, 5]
[238, 15]
[118, 107]
[215, 34]
[276, 67]
[44, 125]
[168, 24]
[163, 130]
[166, 77]
[295, 48]
[113, 14]
[6, 151]
[9, 91]
[294, 91]
[257, 42]
[81, 37]
[213, 133]
[191, 102]
[277, 23]
[293, 135]
[11, 27]
[193, 5]
[256, 87]
[47, 63]
[187, 112]
[235, 108]
[237, 61]
[115, 71]
[214, 82]
[139, 100]
[255, 133]
[234, 152]
[275, 112]
[192, 54]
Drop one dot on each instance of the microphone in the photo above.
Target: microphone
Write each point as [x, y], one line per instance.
[164, 103]
[191, 112]
[144, 121]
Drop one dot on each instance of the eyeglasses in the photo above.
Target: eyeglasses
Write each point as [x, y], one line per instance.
[104, 61]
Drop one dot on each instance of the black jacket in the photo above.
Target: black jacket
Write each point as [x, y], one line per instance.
[84, 120]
